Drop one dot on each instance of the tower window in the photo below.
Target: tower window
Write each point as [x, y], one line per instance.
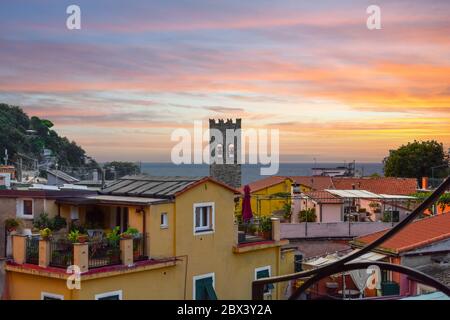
[231, 150]
[219, 151]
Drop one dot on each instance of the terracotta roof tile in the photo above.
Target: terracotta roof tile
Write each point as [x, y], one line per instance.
[323, 197]
[314, 182]
[383, 185]
[264, 183]
[417, 234]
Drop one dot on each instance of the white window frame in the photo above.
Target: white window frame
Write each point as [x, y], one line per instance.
[20, 208]
[108, 294]
[51, 295]
[165, 223]
[210, 228]
[270, 274]
[203, 276]
[74, 213]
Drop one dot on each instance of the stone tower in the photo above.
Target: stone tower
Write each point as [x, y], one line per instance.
[226, 168]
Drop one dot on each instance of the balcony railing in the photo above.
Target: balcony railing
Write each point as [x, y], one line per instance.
[139, 247]
[252, 232]
[32, 250]
[61, 253]
[103, 253]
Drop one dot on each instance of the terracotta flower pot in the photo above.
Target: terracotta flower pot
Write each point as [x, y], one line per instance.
[126, 236]
[82, 239]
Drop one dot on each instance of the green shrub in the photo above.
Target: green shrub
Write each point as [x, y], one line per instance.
[54, 224]
[73, 236]
[307, 215]
[113, 237]
[265, 224]
[287, 210]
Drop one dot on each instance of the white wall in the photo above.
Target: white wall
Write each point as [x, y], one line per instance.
[330, 212]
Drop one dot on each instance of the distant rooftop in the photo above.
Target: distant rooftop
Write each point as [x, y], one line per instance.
[62, 175]
[154, 186]
[415, 235]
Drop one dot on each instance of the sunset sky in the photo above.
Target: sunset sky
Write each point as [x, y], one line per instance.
[137, 70]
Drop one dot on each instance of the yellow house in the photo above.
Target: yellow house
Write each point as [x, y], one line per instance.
[270, 195]
[188, 247]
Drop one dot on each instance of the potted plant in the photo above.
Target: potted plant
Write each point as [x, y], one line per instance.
[307, 215]
[82, 238]
[45, 234]
[265, 227]
[73, 236]
[113, 237]
[11, 224]
[125, 235]
[287, 212]
[130, 233]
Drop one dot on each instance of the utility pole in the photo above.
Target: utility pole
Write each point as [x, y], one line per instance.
[19, 171]
[103, 177]
[6, 157]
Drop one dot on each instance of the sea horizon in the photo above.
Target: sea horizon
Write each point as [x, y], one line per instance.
[251, 172]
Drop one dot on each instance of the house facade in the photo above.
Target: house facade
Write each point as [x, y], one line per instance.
[25, 206]
[189, 243]
[423, 245]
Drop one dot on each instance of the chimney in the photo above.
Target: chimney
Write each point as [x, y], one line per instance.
[425, 183]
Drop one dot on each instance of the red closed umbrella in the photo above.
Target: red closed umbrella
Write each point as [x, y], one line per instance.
[247, 214]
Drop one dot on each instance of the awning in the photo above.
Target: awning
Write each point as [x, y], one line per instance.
[321, 261]
[370, 256]
[364, 194]
[109, 200]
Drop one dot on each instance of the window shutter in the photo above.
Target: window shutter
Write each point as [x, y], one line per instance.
[204, 289]
[265, 274]
[200, 291]
[210, 292]
[19, 207]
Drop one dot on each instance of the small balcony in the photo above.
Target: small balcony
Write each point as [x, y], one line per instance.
[86, 253]
[258, 234]
[253, 232]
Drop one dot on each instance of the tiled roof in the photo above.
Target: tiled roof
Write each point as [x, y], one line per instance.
[323, 197]
[437, 271]
[314, 182]
[264, 183]
[381, 185]
[415, 235]
[154, 186]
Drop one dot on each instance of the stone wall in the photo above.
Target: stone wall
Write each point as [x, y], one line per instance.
[228, 173]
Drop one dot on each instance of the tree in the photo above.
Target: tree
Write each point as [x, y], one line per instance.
[14, 137]
[118, 169]
[414, 160]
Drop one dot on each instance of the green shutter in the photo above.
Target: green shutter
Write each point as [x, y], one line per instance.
[210, 292]
[265, 274]
[200, 292]
[204, 289]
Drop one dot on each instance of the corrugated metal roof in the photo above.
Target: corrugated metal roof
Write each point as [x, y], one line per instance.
[354, 194]
[119, 199]
[62, 175]
[150, 186]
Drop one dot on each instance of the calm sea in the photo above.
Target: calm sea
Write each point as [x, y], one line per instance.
[251, 172]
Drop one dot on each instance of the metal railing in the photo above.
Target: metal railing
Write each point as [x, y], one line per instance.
[32, 250]
[61, 253]
[252, 232]
[347, 262]
[140, 247]
[103, 253]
